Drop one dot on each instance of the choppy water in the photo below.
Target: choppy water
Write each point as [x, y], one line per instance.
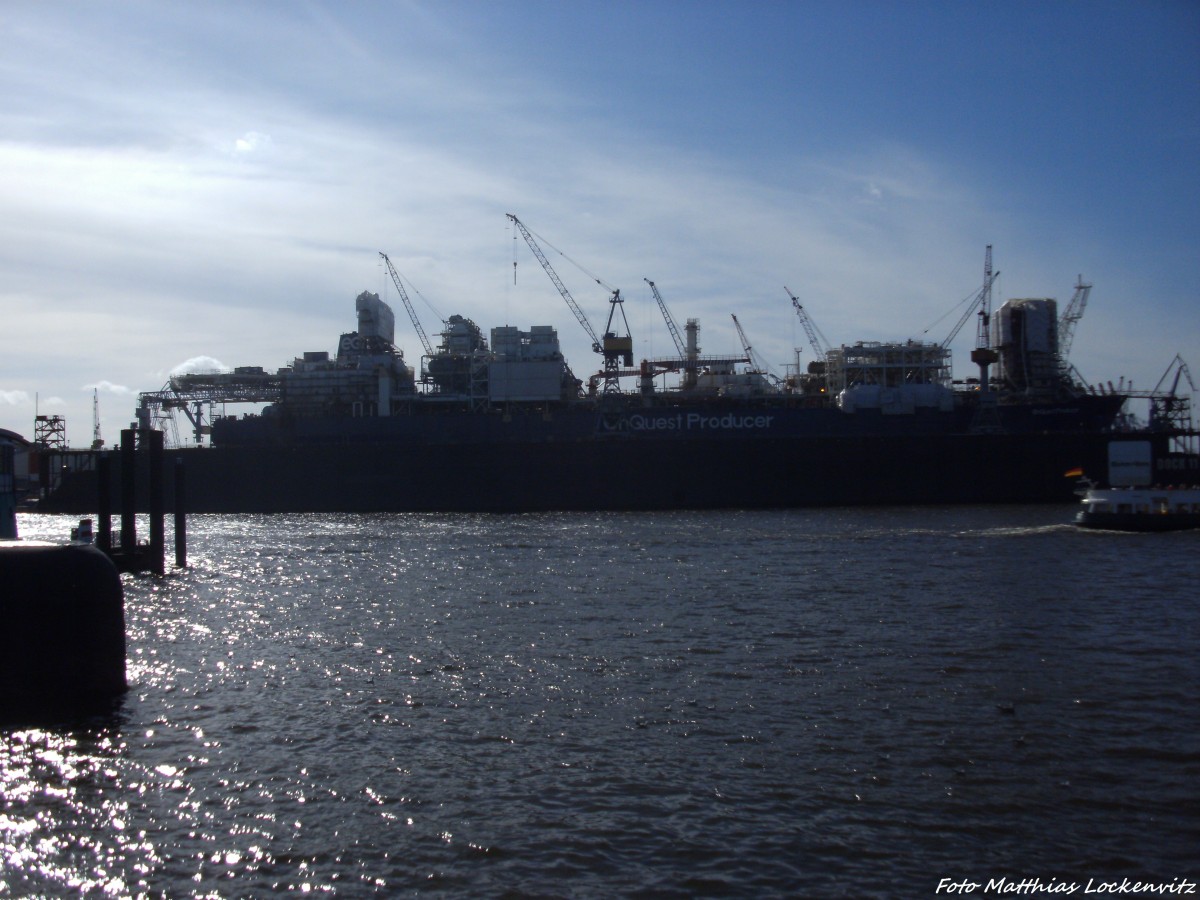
[829, 703]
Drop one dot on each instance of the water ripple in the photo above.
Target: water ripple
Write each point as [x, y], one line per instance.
[820, 703]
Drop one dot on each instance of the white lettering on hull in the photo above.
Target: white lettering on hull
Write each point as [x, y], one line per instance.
[692, 422]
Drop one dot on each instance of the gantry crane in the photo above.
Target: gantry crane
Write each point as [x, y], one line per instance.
[815, 338]
[1172, 411]
[679, 345]
[412, 313]
[615, 350]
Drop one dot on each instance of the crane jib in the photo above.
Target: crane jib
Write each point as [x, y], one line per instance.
[562, 288]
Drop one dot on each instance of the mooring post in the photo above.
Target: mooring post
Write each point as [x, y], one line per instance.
[180, 516]
[153, 439]
[8, 493]
[104, 501]
[128, 491]
[64, 633]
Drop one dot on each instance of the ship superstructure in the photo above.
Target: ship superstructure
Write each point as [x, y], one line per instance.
[369, 378]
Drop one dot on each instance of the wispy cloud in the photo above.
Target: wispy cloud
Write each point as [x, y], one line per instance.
[108, 387]
[251, 142]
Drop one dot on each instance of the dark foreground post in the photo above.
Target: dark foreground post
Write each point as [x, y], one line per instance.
[153, 439]
[62, 632]
[180, 516]
[128, 491]
[104, 501]
[8, 494]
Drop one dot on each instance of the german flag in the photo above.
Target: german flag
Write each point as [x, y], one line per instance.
[1073, 473]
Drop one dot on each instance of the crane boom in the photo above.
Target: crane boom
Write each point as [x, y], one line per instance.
[562, 288]
[1069, 319]
[679, 345]
[1181, 371]
[412, 313]
[754, 358]
[815, 338]
[982, 302]
[983, 331]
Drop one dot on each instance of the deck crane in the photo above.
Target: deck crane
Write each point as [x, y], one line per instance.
[412, 313]
[984, 355]
[755, 359]
[615, 350]
[759, 366]
[1172, 411]
[815, 338]
[1181, 370]
[679, 345]
[980, 301]
[1069, 319]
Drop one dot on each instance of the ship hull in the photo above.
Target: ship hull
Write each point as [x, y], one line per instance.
[622, 472]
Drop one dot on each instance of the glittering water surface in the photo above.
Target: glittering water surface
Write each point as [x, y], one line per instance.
[808, 703]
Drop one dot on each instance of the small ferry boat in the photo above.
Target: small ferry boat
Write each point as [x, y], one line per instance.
[1140, 508]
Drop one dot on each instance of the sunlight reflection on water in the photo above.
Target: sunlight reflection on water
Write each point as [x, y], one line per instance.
[832, 703]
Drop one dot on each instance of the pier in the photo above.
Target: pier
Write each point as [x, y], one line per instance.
[62, 606]
[127, 554]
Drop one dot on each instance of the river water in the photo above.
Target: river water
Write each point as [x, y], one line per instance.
[819, 703]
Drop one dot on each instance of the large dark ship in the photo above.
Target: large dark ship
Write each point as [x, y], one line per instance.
[501, 423]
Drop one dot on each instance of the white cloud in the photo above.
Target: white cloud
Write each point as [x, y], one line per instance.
[14, 398]
[108, 387]
[251, 142]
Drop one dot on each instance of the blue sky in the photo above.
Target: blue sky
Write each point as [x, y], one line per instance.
[185, 181]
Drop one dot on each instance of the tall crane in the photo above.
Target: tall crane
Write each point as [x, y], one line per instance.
[412, 313]
[755, 359]
[981, 301]
[616, 350]
[759, 367]
[815, 338]
[679, 345]
[562, 288]
[983, 355]
[983, 332]
[97, 441]
[1069, 319]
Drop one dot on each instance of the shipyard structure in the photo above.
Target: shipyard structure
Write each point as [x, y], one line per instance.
[501, 423]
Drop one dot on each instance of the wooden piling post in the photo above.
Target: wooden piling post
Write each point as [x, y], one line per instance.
[180, 516]
[128, 491]
[104, 501]
[153, 440]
